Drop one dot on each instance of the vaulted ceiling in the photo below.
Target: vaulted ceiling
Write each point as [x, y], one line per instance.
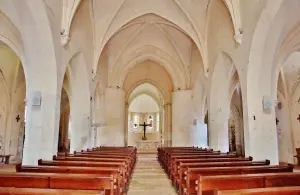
[156, 29]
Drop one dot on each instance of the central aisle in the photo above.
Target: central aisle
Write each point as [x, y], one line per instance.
[149, 178]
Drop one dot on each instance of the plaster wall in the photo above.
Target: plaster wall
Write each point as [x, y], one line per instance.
[143, 103]
[113, 133]
[185, 132]
[13, 89]
[285, 141]
[150, 71]
[295, 124]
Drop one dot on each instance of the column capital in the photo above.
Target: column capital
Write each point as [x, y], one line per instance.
[115, 88]
[167, 104]
[126, 105]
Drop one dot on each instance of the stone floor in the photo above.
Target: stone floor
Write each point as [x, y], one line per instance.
[7, 168]
[149, 178]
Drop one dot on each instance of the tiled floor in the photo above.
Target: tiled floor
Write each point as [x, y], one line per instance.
[7, 168]
[149, 178]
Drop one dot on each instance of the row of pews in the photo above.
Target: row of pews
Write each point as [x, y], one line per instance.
[101, 171]
[201, 171]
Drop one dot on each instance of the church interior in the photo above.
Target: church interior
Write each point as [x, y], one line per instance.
[141, 97]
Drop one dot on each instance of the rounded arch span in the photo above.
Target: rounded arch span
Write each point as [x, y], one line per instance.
[290, 45]
[262, 75]
[141, 82]
[11, 37]
[70, 8]
[188, 31]
[235, 84]
[17, 49]
[143, 93]
[150, 53]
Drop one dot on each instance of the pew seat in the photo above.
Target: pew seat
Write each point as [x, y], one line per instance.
[207, 184]
[263, 191]
[59, 181]
[37, 191]
[188, 183]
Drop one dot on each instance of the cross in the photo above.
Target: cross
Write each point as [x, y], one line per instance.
[145, 125]
[18, 118]
[298, 118]
[277, 121]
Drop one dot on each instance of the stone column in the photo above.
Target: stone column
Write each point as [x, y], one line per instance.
[182, 119]
[40, 134]
[126, 124]
[161, 136]
[80, 128]
[167, 124]
[113, 134]
[218, 130]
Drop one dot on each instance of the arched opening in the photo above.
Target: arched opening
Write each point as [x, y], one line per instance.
[151, 80]
[206, 122]
[145, 117]
[12, 104]
[64, 123]
[235, 124]
[287, 109]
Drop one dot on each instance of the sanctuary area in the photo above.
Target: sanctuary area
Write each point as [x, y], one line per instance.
[146, 97]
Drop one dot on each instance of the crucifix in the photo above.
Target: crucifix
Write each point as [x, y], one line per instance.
[145, 125]
[277, 121]
[298, 118]
[18, 118]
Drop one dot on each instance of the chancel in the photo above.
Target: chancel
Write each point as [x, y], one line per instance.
[145, 125]
[144, 121]
[152, 96]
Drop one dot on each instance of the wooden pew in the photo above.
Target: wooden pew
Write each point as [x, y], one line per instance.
[263, 191]
[95, 159]
[60, 181]
[168, 164]
[103, 155]
[35, 191]
[207, 184]
[177, 161]
[183, 167]
[120, 165]
[163, 153]
[116, 172]
[188, 183]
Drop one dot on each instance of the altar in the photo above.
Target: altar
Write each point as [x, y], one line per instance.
[148, 146]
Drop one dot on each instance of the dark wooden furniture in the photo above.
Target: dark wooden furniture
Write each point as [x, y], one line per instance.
[6, 157]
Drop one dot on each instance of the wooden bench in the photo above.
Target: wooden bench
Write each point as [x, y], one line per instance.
[60, 181]
[34, 191]
[5, 158]
[207, 184]
[93, 159]
[183, 167]
[118, 175]
[104, 170]
[120, 165]
[188, 183]
[168, 164]
[177, 161]
[263, 191]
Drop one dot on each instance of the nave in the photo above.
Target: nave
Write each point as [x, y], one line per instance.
[149, 178]
[200, 171]
[173, 170]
